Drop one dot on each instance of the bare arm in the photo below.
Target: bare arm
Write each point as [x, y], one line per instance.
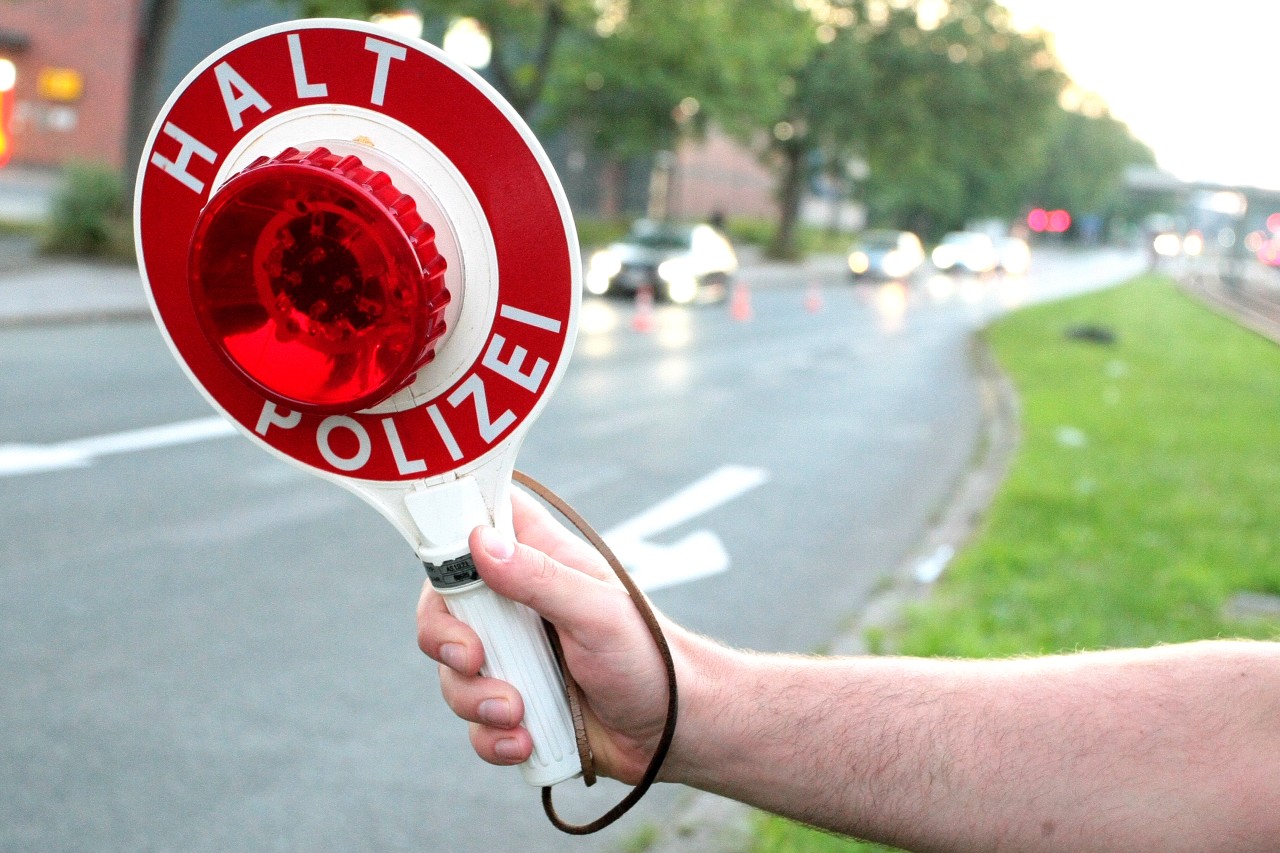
[1175, 748]
[1165, 749]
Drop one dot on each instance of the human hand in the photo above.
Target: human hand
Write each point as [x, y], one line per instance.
[606, 645]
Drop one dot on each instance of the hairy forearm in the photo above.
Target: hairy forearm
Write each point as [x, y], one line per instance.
[1172, 748]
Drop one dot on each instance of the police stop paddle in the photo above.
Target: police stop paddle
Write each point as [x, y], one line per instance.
[362, 257]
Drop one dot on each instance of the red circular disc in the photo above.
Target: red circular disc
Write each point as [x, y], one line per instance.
[261, 84]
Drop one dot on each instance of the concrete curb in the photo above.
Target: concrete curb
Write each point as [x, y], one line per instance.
[706, 823]
[73, 318]
[1248, 309]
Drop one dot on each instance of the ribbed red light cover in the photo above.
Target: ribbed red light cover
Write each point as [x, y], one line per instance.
[318, 281]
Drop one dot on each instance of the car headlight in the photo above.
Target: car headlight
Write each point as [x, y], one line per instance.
[606, 263]
[682, 284]
[896, 264]
[601, 269]
[1016, 259]
[859, 263]
[986, 262]
[1167, 245]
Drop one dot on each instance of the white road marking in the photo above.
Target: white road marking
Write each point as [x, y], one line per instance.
[697, 555]
[928, 569]
[18, 459]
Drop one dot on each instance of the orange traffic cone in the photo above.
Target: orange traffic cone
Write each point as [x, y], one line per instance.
[740, 303]
[642, 319]
[813, 297]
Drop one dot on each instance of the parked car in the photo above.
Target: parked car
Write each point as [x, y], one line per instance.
[886, 254]
[966, 251]
[682, 263]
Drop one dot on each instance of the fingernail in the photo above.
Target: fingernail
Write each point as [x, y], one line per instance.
[508, 748]
[497, 545]
[496, 712]
[453, 655]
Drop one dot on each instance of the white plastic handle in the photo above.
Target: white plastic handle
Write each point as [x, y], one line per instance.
[516, 650]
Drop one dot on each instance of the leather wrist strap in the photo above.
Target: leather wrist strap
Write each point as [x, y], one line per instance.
[574, 693]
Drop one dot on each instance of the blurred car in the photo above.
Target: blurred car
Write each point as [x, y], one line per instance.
[886, 254]
[966, 251]
[1015, 256]
[682, 263]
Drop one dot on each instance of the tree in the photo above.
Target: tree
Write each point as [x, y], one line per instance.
[525, 36]
[988, 94]
[670, 67]
[945, 102]
[155, 24]
[1086, 155]
[973, 100]
[665, 71]
[826, 111]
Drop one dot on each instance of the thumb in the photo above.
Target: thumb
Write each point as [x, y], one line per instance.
[566, 597]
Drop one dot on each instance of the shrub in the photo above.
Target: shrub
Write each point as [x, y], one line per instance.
[90, 215]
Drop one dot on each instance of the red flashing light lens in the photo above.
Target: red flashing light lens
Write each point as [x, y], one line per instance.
[1038, 219]
[317, 281]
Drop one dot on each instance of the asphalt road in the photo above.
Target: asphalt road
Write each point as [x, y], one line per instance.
[203, 648]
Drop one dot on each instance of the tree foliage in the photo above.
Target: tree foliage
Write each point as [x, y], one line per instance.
[946, 103]
[1086, 154]
[525, 35]
[974, 101]
[952, 110]
[668, 68]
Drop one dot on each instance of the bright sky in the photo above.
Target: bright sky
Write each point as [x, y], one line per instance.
[1199, 82]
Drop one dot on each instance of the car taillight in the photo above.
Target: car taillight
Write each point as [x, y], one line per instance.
[318, 281]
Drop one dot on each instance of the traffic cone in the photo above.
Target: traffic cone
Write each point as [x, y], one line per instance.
[642, 319]
[740, 303]
[813, 297]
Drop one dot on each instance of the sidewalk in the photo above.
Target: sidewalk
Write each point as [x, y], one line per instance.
[45, 290]
[26, 193]
[37, 289]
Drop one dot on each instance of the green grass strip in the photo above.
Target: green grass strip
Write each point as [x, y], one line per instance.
[1143, 499]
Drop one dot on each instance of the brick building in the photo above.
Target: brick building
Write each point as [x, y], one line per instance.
[75, 62]
[718, 175]
[74, 66]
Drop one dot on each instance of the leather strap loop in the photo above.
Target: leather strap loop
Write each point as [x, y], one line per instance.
[574, 693]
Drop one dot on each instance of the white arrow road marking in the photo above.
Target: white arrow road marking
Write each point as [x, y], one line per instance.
[698, 554]
[16, 459]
